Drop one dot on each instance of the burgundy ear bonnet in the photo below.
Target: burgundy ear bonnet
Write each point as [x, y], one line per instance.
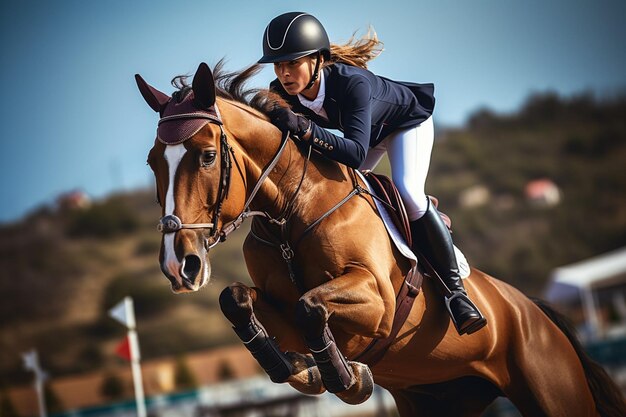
[180, 121]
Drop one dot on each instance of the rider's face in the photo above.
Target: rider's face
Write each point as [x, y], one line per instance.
[295, 75]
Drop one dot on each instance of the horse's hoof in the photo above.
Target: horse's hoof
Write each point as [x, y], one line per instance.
[362, 388]
[306, 377]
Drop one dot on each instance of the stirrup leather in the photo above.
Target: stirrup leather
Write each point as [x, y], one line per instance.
[476, 325]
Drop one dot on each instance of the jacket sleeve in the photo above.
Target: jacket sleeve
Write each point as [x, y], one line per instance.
[356, 120]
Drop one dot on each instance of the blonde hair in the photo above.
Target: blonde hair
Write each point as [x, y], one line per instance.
[356, 52]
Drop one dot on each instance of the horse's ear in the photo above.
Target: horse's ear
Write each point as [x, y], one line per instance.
[204, 87]
[155, 99]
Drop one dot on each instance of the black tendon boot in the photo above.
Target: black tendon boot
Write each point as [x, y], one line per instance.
[337, 374]
[265, 350]
[432, 239]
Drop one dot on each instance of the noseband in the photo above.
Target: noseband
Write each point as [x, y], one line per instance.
[172, 223]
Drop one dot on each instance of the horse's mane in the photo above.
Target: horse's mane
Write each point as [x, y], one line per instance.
[232, 86]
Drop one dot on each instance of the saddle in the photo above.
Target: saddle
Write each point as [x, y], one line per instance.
[388, 194]
[384, 188]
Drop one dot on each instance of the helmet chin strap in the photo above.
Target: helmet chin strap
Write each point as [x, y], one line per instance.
[316, 72]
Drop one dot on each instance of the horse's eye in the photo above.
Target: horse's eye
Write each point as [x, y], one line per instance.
[207, 158]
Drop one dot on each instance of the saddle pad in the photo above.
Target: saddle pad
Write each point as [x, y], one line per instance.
[400, 241]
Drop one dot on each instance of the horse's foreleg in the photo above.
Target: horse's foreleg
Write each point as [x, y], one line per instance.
[346, 298]
[237, 302]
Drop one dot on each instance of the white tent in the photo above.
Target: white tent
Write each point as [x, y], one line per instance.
[582, 280]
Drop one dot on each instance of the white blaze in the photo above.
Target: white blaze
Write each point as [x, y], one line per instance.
[173, 155]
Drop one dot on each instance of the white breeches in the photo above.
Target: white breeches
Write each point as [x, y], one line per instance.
[409, 155]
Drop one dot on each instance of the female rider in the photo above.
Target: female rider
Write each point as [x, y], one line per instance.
[328, 86]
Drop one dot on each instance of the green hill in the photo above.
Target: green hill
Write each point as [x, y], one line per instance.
[63, 270]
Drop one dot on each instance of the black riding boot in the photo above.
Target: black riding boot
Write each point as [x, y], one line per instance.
[432, 239]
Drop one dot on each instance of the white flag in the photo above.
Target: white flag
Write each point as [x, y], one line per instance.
[31, 361]
[124, 312]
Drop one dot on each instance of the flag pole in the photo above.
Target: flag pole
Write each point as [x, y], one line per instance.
[31, 363]
[124, 312]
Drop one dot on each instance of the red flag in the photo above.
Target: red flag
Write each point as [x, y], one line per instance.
[123, 349]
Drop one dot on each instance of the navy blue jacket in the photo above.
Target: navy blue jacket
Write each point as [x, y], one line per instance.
[365, 107]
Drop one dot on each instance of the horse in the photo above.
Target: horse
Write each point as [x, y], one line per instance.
[326, 275]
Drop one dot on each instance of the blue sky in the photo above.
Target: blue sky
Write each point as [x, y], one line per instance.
[73, 118]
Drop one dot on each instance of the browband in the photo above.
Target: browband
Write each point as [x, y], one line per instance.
[197, 115]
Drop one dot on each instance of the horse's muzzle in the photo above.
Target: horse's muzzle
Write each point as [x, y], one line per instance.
[183, 260]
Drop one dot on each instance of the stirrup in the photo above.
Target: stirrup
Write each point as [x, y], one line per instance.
[478, 324]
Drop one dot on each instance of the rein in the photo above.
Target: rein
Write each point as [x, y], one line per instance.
[233, 225]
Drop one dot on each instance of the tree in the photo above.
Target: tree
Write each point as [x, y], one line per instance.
[112, 387]
[183, 378]
[226, 371]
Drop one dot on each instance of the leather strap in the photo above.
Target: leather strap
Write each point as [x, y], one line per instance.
[411, 286]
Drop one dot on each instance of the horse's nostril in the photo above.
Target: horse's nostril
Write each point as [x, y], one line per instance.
[192, 266]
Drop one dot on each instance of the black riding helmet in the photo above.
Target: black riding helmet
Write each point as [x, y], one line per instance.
[294, 35]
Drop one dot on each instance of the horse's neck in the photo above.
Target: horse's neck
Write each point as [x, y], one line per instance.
[324, 184]
[258, 142]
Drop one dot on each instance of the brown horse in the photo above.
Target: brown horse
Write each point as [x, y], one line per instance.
[217, 161]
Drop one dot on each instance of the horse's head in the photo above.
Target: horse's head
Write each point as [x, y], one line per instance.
[191, 162]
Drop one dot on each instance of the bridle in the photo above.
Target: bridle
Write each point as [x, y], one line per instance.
[172, 223]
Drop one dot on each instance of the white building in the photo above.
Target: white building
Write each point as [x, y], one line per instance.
[593, 294]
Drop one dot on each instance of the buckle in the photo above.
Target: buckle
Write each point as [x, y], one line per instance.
[287, 252]
[413, 290]
[169, 224]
